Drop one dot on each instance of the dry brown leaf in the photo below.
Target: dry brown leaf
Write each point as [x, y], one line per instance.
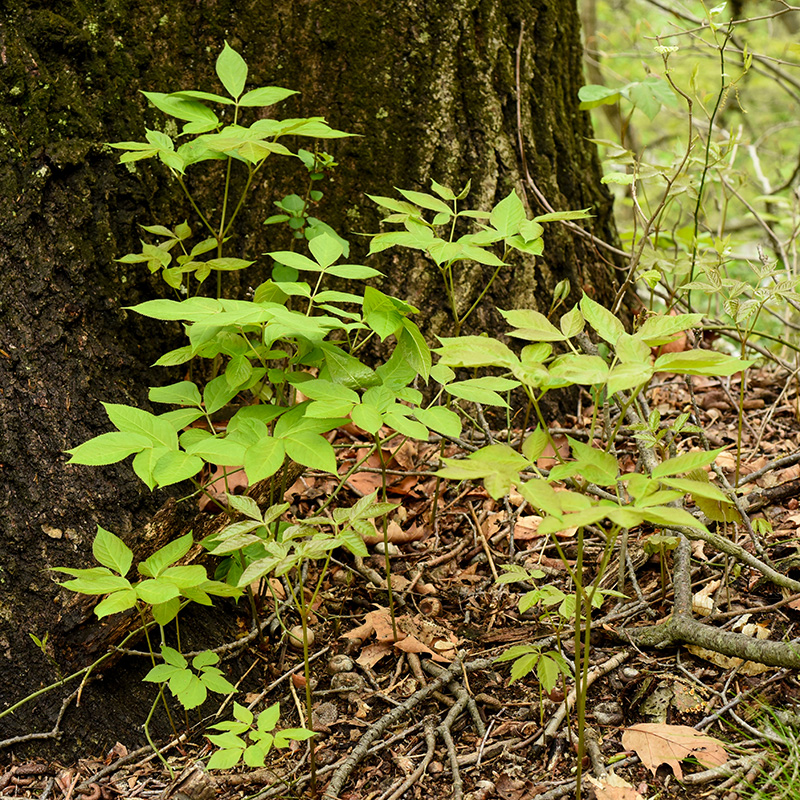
[373, 653]
[406, 455]
[548, 459]
[410, 644]
[365, 482]
[612, 787]
[396, 534]
[790, 473]
[658, 744]
[527, 527]
[702, 602]
[382, 620]
[727, 461]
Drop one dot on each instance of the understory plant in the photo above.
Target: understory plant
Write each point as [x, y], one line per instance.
[281, 370]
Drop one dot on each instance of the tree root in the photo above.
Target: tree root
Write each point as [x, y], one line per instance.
[54, 733]
[683, 628]
[384, 723]
[430, 744]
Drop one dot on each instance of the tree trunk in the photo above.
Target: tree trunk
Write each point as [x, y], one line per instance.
[432, 91]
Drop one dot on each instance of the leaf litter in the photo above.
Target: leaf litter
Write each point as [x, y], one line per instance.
[649, 705]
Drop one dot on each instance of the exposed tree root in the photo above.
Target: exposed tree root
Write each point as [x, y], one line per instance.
[385, 722]
[430, 744]
[53, 733]
[683, 628]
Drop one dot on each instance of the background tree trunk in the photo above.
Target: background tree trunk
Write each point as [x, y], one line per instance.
[432, 91]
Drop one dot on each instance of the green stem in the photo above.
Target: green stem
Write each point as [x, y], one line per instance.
[386, 561]
[581, 657]
[252, 603]
[147, 731]
[303, 609]
[483, 293]
[250, 176]
[195, 206]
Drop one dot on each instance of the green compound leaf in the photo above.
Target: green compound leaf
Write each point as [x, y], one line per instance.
[97, 580]
[268, 718]
[184, 393]
[532, 325]
[475, 351]
[232, 71]
[685, 463]
[310, 450]
[659, 330]
[165, 556]
[440, 419]
[116, 602]
[174, 467]
[265, 96]
[225, 759]
[108, 448]
[700, 362]
[263, 459]
[194, 694]
[497, 464]
[111, 551]
[214, 681]
[136, 420]
[601, 319]
[414, 349]
[508, 215]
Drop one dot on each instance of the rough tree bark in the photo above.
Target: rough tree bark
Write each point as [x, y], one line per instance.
[432, 90]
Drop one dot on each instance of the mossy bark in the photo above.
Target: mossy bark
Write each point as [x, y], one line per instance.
[430, 88]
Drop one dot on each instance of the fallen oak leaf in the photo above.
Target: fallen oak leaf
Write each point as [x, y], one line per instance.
[657, 744]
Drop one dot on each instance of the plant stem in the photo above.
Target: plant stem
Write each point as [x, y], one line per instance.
[387, 562]
[303, 609]
[581, 658]
[147, 731]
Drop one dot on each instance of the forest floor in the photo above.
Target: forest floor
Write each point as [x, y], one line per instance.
[432, 714]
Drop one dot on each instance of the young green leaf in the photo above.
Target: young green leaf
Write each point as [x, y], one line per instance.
[508, 214]
[129, 419]
[112, 552]
[108, 448]
[686, 462]
[232, 71]
[601, 319]
[532, 325]
[165, 556]
[184, 393]
[265, 96]
[700, 362]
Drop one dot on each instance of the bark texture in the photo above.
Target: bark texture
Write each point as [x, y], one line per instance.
[430, 88]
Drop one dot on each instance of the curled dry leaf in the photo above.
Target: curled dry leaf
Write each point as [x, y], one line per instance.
[396, 535]
[658, 744]
[702, 601]
[612, 787]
